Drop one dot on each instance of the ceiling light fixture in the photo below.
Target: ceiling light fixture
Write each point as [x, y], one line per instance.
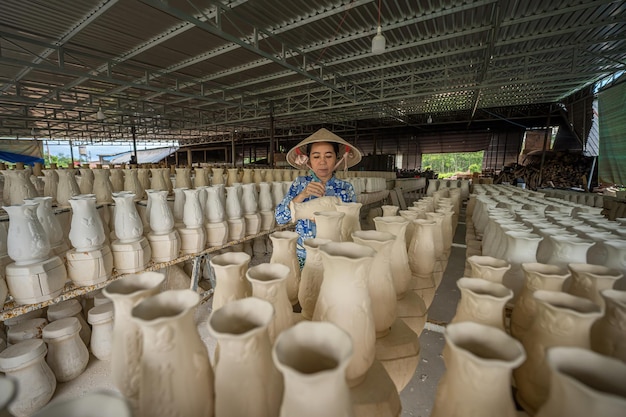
[378, 41]
[430, 119]
[100, 114]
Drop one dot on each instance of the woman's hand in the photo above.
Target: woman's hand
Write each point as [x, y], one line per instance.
[313, 189]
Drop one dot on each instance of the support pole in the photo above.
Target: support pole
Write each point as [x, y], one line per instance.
[232, 149]
[270, 158]
[71, 154]
[134, 158]
[545, 144]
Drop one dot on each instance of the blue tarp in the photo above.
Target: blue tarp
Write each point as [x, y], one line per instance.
[16, 157]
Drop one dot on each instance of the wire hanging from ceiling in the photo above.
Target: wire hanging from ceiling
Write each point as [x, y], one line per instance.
[343, 19]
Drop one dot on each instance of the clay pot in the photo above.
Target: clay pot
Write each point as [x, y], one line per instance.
[400, 270]
[608, 334]
[311, 277]
[351, 221]
[537, 277]
[284, 252]
[172, 347]
[479, 361]
[230, 278]
[345, 301]
[25, 363]
[489, 268]
[132, 183]
[482, 302]
[562, 320]
[583, 383]
[126, 350]
[380, 280]
[313, 358]
[328, 225]
[588, 281]
[245, 354]
[102, 187]
[269, 282]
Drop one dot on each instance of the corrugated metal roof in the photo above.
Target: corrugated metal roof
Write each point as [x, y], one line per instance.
[144, 156]
[188, 69]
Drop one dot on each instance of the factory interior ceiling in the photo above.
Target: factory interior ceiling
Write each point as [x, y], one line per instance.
[98, 71]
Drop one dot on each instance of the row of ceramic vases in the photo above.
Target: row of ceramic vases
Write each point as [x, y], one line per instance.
[319, 359]
[62, 184]
[558, 315]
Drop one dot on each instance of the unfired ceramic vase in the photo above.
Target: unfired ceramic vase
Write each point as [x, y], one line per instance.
[352, 221]
[311, 277]
[243, 363]
[269, 283]
[126, 351]
[562, 320]
[616, 258]
[328, 225]
[20, 186]
[249, 202]
[117, 179]
[284, 252]
[567, 249]
[233, 202]
[25, 363]
[49, 221]
[313, 358]
[95, 404]
[214, 210]
[230, 278]
[345, 301]
[583, 384]
[482, 302]
[172, 347]
[521, 248]
[217, 176]
[183, 177]
[400, 269]
[537, 277]
[100, 317]
[193, 217]
[390, 211]
[489, 268]
[67, 188]
[589, 280]
[102, 187]
[608, 334]
[157, 180]
[27, 242]
[127, 222]
[132, 183]
[265, 197]
[161, 217]
[201, 177]
[86, 230]
[179, 204]
[477, 381]
[67, 354]
[232, 177]
[379, 278]
[51, 182]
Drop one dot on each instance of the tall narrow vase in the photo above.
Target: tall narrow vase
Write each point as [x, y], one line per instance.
[584, 384]
[128, 225]
[313, 358]
[351, 221]
[172, 347]
[345, 301]
[127, 345]
[269, 283]
[67, 188]
[477, 381]
[400, 269]
[245, 356]
[311, 277]
[379, 279]
[284, 252]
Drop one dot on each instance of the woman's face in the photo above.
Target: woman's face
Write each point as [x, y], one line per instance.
[323, 159]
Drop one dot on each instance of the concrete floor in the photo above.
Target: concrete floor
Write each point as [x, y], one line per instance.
[418, 396]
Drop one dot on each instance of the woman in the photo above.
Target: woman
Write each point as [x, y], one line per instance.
[321, 153]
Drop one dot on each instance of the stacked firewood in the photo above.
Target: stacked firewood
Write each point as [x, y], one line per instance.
[560, 170]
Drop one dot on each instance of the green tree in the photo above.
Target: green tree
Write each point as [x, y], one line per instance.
[61, 160]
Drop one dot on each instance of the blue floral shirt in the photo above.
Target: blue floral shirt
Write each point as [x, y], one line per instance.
[305, 227]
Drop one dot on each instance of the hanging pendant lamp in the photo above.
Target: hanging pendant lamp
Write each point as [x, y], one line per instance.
[378, 41]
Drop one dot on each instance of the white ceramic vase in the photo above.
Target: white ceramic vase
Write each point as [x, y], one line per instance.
[102, 187]
[193, 217]
[27, 242]
[230, 278]
[127, 222]
[311, 277]
[352, 221]
[86, 230]
[400, 269]
[161, 217]
[284, 252]
[328, 225]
